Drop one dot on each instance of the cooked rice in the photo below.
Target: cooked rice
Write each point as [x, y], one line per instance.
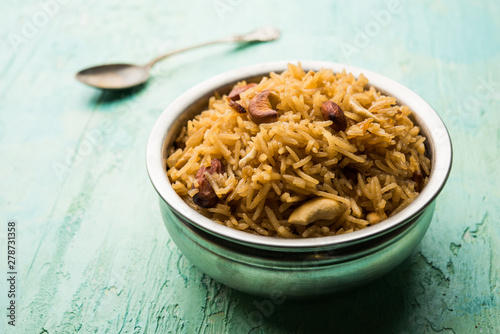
[272, 168]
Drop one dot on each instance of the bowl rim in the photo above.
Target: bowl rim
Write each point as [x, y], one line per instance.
[437, 135]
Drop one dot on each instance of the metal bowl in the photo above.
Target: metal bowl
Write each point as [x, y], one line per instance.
[300, 268]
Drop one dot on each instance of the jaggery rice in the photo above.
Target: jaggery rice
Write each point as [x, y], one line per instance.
[370, 171]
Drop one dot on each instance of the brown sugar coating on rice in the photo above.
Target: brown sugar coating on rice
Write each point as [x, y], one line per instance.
[339, 156]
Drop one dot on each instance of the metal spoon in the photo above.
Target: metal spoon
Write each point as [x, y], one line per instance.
[121, 76]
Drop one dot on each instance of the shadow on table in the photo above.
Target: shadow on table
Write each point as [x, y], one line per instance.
[108, 96]
[244, 46]
[376, 307]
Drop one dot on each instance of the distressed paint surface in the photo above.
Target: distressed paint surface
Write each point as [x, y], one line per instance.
[94, 256]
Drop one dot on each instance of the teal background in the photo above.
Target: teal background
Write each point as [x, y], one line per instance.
[93, 254]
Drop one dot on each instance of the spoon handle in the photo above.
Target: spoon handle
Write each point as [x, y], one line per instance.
[265, 34]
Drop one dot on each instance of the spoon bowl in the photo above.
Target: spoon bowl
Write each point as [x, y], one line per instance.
[114, 76]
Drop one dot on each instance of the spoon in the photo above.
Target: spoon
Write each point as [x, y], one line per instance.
[122, 76]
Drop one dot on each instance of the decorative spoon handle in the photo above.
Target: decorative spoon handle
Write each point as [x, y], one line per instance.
[265, 34]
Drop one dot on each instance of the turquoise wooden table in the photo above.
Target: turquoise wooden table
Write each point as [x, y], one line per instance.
[92, 254]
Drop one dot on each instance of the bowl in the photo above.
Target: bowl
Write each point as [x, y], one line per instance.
[294, 268]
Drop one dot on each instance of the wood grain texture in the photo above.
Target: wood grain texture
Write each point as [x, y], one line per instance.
[94, 254]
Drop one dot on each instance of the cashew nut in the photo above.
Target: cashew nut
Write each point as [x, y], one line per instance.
[374, 218]
[360, 110]
[316, 209]
[260, 109]
[234, 95]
